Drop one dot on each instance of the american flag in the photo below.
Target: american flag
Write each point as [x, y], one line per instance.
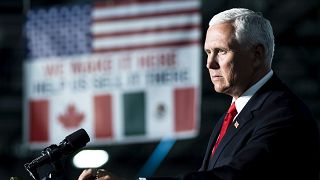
[112, 26]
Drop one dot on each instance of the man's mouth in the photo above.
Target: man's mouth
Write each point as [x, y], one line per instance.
[216, 77]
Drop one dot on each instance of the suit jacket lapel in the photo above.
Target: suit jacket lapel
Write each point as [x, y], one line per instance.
[212, 140]
[245, 116]
[242, 119]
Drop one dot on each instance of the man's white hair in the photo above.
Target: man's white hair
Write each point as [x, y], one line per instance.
[250, 28]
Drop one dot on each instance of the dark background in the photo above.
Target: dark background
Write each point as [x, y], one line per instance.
[296, 26]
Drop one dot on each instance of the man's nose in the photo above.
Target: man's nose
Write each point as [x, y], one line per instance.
[212, 62]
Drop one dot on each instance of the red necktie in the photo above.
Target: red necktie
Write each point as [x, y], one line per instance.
[232, 112]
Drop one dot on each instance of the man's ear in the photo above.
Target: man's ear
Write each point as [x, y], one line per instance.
[260, 54]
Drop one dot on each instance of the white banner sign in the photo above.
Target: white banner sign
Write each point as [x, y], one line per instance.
[124, 72]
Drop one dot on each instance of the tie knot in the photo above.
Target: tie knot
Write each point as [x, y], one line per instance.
[232, 109]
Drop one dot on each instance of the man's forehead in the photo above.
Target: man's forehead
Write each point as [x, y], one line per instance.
[220, 33]
[225, 28]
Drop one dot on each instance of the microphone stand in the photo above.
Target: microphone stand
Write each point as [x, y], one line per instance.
[55, 173]
[32, 171]
[57, 166]
[57, 170]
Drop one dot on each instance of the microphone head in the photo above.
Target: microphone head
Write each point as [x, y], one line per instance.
[78, 139]
[53, 153]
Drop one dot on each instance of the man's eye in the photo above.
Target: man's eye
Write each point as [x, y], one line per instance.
[208, 51]
[222, 51]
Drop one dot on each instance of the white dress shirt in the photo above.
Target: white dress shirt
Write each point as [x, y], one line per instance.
[247, 95]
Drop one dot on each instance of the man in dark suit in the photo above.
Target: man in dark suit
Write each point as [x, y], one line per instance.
[271, 135]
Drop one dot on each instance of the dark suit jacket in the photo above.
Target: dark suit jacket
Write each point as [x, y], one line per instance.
[277, 138]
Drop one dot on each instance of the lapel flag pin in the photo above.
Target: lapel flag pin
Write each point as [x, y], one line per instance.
[236, 124]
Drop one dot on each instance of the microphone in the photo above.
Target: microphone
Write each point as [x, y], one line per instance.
[53, 153]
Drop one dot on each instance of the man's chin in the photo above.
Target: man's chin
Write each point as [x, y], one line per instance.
[221, 90]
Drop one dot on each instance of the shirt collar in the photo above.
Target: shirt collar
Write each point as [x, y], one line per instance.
[246, 96]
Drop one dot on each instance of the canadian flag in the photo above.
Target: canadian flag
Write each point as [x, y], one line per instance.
[52, 119]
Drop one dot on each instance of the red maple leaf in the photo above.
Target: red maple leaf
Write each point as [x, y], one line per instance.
[71, 118]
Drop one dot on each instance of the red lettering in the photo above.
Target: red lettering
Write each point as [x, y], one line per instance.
[157, 60]
[91, 67]
[54, 69]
